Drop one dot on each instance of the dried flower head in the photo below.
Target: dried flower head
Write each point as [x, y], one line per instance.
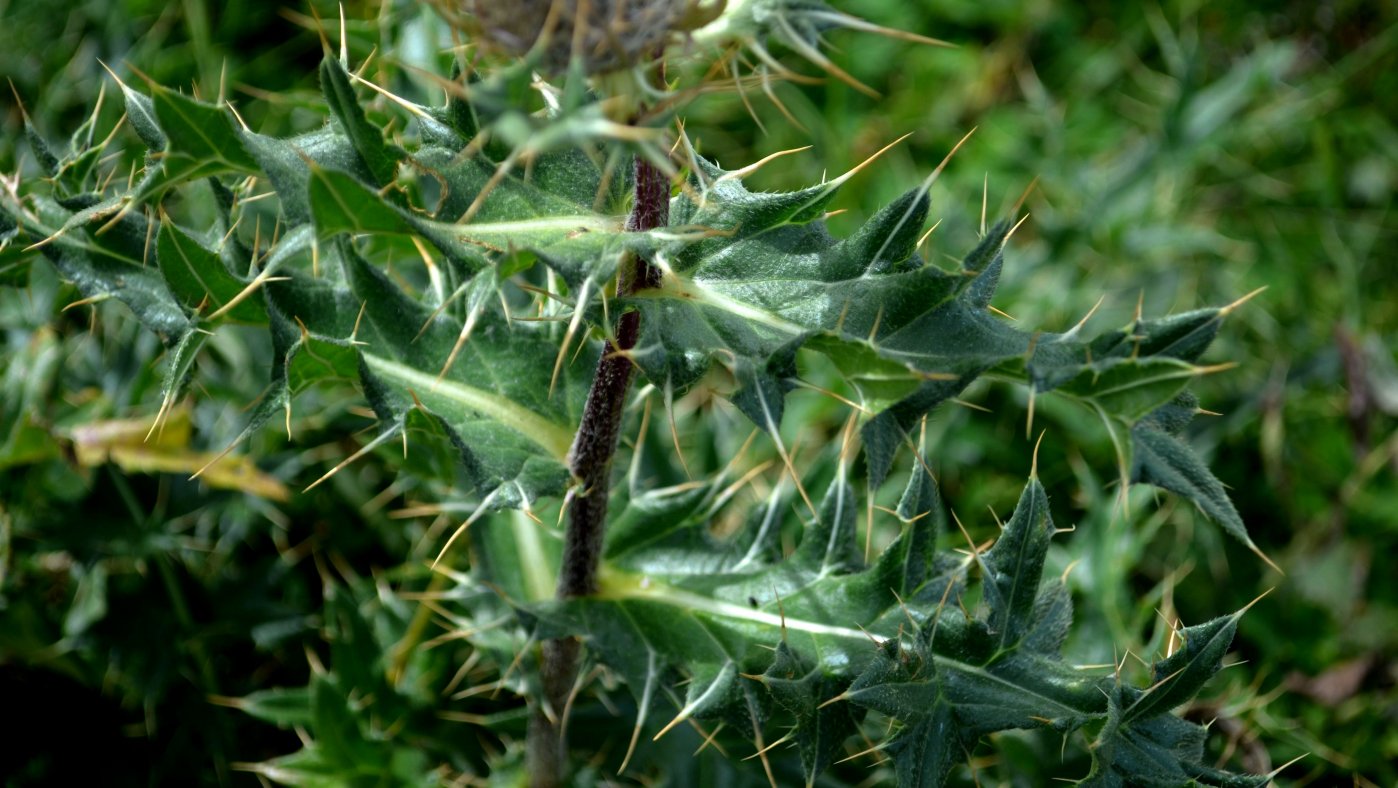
[605, 35]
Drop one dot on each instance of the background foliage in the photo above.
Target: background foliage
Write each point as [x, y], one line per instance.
[1191, 154]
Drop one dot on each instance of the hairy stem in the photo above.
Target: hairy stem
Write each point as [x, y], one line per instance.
[591, 463]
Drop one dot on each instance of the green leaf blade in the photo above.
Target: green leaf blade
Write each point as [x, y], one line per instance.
[1180, 676]
[1014, 566]
[199, 277]
[378, 157]
[201, 141]
[1167, 462]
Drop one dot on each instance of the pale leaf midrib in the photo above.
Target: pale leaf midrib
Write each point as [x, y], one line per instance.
[623, 590]
[193, 270]
[554, 438]
[525, 226]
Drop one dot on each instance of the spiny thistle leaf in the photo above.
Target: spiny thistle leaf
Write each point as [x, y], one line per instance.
[492, 386]
[199, 277]
[1142, 744]
[1014, 566]
[814, 638]
[908, 336]
[341, 204]
[200, 141]
[906, 688]
[140, 113]
[1161, 458]
[801, 627]
[179, 369]
[107, 264]
[285, 162]
[513, 437]
[379, 158]
[47, 161]
[1181, 675]
[801, 691]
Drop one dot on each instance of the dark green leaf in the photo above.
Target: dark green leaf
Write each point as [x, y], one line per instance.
[341, 204]
[821, 728]
[110, 265]
[1014, 566]
[1165, 461]
[198, 276]
[140, 113]
[1180, 676]
[201, 141]
[379, 158]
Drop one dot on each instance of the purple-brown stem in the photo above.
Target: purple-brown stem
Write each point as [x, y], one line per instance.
[591, 463]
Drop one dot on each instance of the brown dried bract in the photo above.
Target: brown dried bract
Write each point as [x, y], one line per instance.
[605, 35]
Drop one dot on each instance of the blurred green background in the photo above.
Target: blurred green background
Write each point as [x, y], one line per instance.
[1182, 153]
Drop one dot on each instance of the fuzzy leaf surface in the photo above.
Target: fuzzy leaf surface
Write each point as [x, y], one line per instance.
[672, 604]
[513, 437]
[769, 279]
[200, 141]
[199, 277]
[109, 264]
[1143, 744]
[1162, 458]
[825, 636]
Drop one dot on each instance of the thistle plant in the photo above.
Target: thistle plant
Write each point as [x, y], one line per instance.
[518, 277]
